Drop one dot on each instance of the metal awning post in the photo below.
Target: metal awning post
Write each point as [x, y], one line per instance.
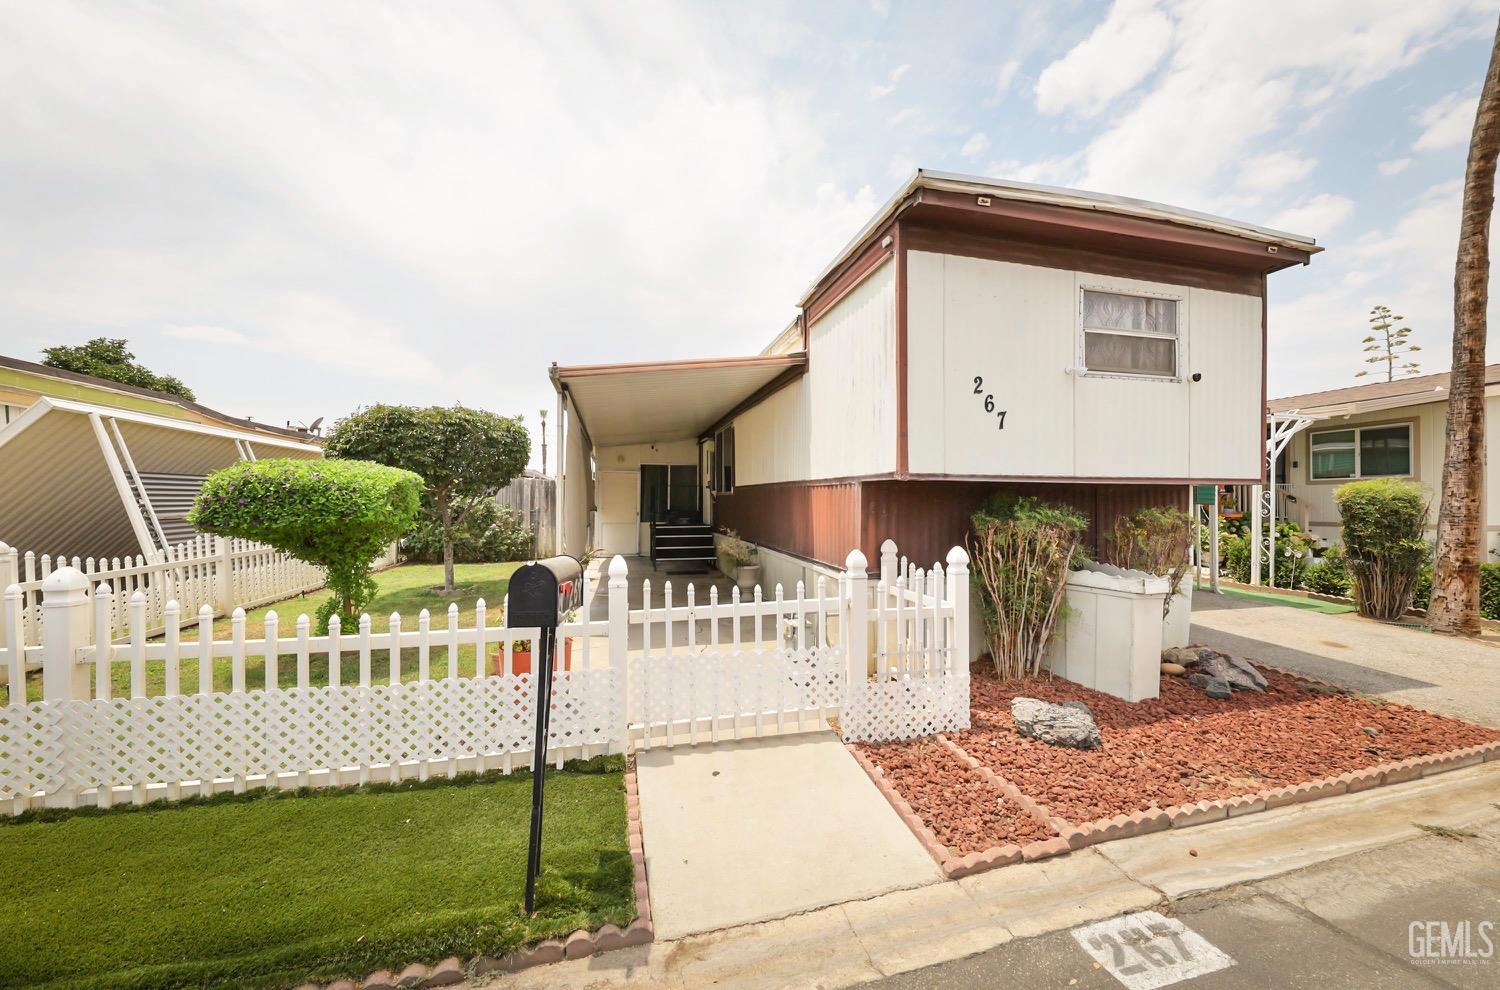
[1283, 426]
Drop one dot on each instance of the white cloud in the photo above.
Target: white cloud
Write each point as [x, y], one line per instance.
[889, 87]
[977, 144]
[1234, 76]
[1447, 123]
[400, 204]
[1116, 55]
[901, 116]
[1394, 167]
[1006, 76]
[1316, 216]
[209, 334]
[1274, 170]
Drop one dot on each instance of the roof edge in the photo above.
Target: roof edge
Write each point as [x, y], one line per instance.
[562, 372]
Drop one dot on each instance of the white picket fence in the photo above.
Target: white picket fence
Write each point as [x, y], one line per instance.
[223, 573]
[889, 657]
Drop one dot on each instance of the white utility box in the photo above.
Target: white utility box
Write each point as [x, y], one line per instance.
[1111, 640]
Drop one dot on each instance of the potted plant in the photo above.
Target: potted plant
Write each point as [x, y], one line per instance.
[741, 559]
[521, 650]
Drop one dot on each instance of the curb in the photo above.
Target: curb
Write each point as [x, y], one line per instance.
[579, 944]
[1078, 835]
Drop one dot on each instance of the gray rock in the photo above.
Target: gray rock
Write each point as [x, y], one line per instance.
[1238, 674]
[1184, 654]
[1371, 731]
[1069, 724]
[1214, 687]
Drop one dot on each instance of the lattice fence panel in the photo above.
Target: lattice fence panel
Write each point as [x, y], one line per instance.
[73, 746]
[905, 708]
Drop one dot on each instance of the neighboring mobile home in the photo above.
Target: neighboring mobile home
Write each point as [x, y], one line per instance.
[1382, 430]
[91, 467]
[976, 336]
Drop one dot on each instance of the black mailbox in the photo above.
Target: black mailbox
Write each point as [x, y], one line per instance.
[541, 593]
[544, 591]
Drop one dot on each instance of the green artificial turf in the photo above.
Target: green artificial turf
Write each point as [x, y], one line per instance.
[1290, 601]
[277, 890]
[406, 589]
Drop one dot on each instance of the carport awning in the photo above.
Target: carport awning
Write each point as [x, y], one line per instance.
[666, 400]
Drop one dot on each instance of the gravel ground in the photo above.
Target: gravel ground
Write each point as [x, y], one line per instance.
[1178, 748]
[966, 812]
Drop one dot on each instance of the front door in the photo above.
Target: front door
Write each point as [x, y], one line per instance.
[619, 512]
[669, 493]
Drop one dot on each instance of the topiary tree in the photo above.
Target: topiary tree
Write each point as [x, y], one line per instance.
[341, 515]
[463, 455]
[1383, 522]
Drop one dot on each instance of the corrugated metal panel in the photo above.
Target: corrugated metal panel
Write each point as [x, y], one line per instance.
[852, 391]
[172, 497]
[812, 520]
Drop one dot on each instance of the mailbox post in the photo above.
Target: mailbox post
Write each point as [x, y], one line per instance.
[541, 593]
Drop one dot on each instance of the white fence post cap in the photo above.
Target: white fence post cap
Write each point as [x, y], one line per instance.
[957, 556]
[618, 567]
[64, 579]
[889, 546]
[856, 561]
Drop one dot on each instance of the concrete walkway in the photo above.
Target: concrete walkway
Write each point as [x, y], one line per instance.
[1366, 873]
[763, 828]
[1443, 674]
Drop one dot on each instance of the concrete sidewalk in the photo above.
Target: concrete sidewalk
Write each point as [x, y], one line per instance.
[764, 828]
[1443, 674]
[873, 939]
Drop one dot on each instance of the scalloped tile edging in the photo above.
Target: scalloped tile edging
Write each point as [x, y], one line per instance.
[1079, 835]
[581, 943]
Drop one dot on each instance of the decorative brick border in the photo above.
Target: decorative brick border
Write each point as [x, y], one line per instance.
[1073, 835]
[581, 943]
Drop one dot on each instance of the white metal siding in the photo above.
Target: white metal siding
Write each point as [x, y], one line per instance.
[771, 439]
[852, 381]
[1007, 325]
[1226, 426]
[1015, 327]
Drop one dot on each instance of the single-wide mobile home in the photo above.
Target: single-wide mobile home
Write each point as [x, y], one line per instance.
[975, 336]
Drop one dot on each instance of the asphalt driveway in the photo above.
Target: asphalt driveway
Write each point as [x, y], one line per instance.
[1443, 674]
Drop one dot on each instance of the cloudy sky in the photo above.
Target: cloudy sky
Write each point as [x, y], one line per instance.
[302, 208]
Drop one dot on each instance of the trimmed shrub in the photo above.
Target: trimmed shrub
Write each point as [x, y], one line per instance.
[341, 515]
[1154, 540]
[1021, 549]
[1329, 575]
[489, 533]
[1383, 521]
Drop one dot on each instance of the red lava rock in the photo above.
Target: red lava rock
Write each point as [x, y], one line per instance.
[1180, 748]
[964, 810]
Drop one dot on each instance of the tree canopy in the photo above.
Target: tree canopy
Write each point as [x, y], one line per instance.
[109, 357]
[463, 455]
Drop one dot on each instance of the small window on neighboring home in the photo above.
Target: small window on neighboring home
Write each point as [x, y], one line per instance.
[1361, 452]
[1129, 335]
[723, 460]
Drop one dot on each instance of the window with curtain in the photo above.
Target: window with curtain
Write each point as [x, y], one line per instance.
[1129, 335]
[1361, 452]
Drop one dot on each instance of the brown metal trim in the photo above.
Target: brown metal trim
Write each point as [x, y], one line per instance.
[994, 247]
[903, 462]
[849, 279]
[1166, 232]
[755, 398]
[1260, 438]
[767, 361]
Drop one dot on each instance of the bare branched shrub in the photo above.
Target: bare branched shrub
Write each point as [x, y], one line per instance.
[1021, 549]
[1154, 540]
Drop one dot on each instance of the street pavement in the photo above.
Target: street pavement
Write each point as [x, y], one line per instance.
[1375, 919]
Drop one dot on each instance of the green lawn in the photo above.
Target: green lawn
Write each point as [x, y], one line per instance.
[1290, 601]
[275, 891]
[406, 589]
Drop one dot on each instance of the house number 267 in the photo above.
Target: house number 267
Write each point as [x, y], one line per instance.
[989, 401]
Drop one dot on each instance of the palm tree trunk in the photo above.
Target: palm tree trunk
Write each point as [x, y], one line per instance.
[1454, 607]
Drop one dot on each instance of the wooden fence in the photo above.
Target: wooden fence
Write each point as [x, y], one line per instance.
[534, 499]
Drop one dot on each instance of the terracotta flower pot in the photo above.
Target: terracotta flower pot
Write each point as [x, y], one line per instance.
[520, 660]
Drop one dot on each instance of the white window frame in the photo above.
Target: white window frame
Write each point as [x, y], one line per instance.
[1143, 293]
[1359, 467]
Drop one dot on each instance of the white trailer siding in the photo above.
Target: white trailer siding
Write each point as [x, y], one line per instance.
[838, 420]
[991, 337]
